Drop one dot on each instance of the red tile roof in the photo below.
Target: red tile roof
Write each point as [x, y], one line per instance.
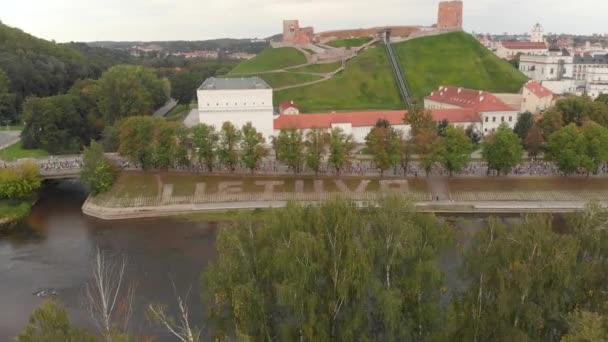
[368, 118]
[515, 45]
[538, 89]
[477, 100]
[287, 104]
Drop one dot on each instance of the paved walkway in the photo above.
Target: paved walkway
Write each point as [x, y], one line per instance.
[8, 138]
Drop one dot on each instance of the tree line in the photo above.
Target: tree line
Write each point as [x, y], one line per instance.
[338, 272]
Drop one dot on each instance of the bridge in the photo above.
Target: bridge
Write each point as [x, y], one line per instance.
[397, 71]
[63, 167]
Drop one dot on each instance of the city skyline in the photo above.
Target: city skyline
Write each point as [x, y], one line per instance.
[157, 20]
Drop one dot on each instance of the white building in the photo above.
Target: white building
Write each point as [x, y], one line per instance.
[510, 49]
[546, 67]
[537, 35]
[536, 98]
[491, 110]
[238, 100]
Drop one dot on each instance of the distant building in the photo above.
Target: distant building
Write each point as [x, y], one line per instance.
[238, 100]
[204, 54]
[450, 15]
[537, 35]
[241, 56]
[536, 98]
[491, 110]
[510, 49]
[296, 35]
[288, 108]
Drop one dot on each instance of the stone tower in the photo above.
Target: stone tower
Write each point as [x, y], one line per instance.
[296, 35]
[537, 35]
[290, 29]
[450, 15]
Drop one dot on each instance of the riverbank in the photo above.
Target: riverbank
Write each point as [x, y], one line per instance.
[13, 213]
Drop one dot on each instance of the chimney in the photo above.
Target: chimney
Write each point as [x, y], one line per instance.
[459, 90]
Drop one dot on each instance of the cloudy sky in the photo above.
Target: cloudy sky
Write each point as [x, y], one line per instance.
[91, 20]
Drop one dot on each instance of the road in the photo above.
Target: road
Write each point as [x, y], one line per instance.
[8, 138]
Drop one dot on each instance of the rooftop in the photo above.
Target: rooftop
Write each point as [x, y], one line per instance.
[537, 89]
[477, 100]
[517, 45]
[243, 83]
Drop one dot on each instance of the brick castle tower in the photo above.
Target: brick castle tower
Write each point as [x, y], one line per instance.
[450, 15]
[296, 35]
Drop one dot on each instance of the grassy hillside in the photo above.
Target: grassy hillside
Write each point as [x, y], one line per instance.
[318, 68]
[352, 42]
[271, 59]
[455, 59]
[366, 83]
[282, 79]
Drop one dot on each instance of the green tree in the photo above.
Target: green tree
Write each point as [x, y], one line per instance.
[50, 323]
[252, 147]
[502, 150]
[205, 142]
[473, 134]
[566, 148]
[289, 148]
[456, 151]
[184, 85]
[127, 90]
[523, 125]
[595, 138]
[181, 146]
[419, 120]
[341, 147]
[230, 137]
[137, 136]
[383, 144]
[586, 326]
[428, 147]
[110, 138]
[551, 122]
[316, 143]
[534, 141]
[405, 150]
[19, 182]
[602, 98]
[7, 99]
[97, 171]
[164, 140]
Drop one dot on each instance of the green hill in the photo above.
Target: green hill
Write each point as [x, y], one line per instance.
[271, 59]
[367, 82]
[455, 59]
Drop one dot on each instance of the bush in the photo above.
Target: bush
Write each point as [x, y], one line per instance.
[21, 182]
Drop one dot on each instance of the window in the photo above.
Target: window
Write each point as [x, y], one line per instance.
[486, 119]
[510, 119]
[486, 130]
[502, 119]
[494, 119]
[551, 71]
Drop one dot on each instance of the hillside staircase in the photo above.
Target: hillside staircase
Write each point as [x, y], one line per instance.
[404, 90]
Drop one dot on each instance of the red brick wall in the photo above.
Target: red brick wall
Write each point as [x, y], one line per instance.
[292, 33]
[450, 14]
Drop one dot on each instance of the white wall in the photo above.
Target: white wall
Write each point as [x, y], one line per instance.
[540, 68]
[533, 104]
[505, 53]
[430, 104]
[596, 89]
[491, 120]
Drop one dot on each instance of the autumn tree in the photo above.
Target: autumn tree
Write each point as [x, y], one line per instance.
[205, 143]
[289, 148]
[252, 147]
[97, 171]
[419, 119]
[383, 144]
[534, 142]
[229, 139]
[341, 147]
[316, 143]
[137, 135]
[502, 150]
[456, 149]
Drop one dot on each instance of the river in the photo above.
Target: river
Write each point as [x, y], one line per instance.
[57, 245]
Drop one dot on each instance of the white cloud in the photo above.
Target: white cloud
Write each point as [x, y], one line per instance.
[65, 20]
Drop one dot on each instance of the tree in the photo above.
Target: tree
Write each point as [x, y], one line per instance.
[341, 147]
[137, 136]
[164, 140]
[502, 150]
[566, 148]
[127, 90]
[552, 121]
[183, 86]
[108, 299]
[442, 127]
[19, 182]
[586, 326]
[456, 151]
[180, 149]
[97, 172]
[534, 141]
[181, 329]
[252, 147]
[230, 137]
[7, 99]
[524, 123]
[428, 147]
[110, 138]
[205, 142]
[289, 148]
[50, 323]
[602, 98]
[473, 134]
[419, 119]
[383, 144]
[405, 150]
[595, 139]
[315, 143]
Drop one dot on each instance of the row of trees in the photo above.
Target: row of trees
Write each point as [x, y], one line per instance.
[335, 272]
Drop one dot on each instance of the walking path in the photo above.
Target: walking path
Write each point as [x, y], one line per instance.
[8, 138]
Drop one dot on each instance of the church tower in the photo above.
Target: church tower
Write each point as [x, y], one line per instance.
[537, 35]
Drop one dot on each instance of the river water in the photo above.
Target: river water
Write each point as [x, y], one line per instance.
[56, 248]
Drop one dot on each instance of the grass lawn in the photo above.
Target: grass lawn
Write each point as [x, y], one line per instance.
[14, 211]
[351, 42]
[282, 79]
[366, 83]
[270, 59]
[455, 59]
[319, 68]
[528, 189]
[16, 151]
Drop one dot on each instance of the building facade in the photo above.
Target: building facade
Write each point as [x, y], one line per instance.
[450, 15]
[510, 49]
[537, 35]
[536, 98]
[237, 100]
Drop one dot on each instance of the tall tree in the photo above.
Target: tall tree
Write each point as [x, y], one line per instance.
[316, 143]
[566, 148]
[183, 86]
[595, 138]
[457, 148]
[97, 172]
[7, 99]
[428, 147]
[252, 147]
[205, 143]
[419, 119]
[137, 136]
[383, 144]
[341, 147]
[534, 141]
[164, 142]
[289, 148]
[230, 137]
[181, 146]
[502, 150]
[523, 125]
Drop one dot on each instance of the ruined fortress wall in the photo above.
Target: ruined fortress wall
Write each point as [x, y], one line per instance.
[450, 14]
[366, 32]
